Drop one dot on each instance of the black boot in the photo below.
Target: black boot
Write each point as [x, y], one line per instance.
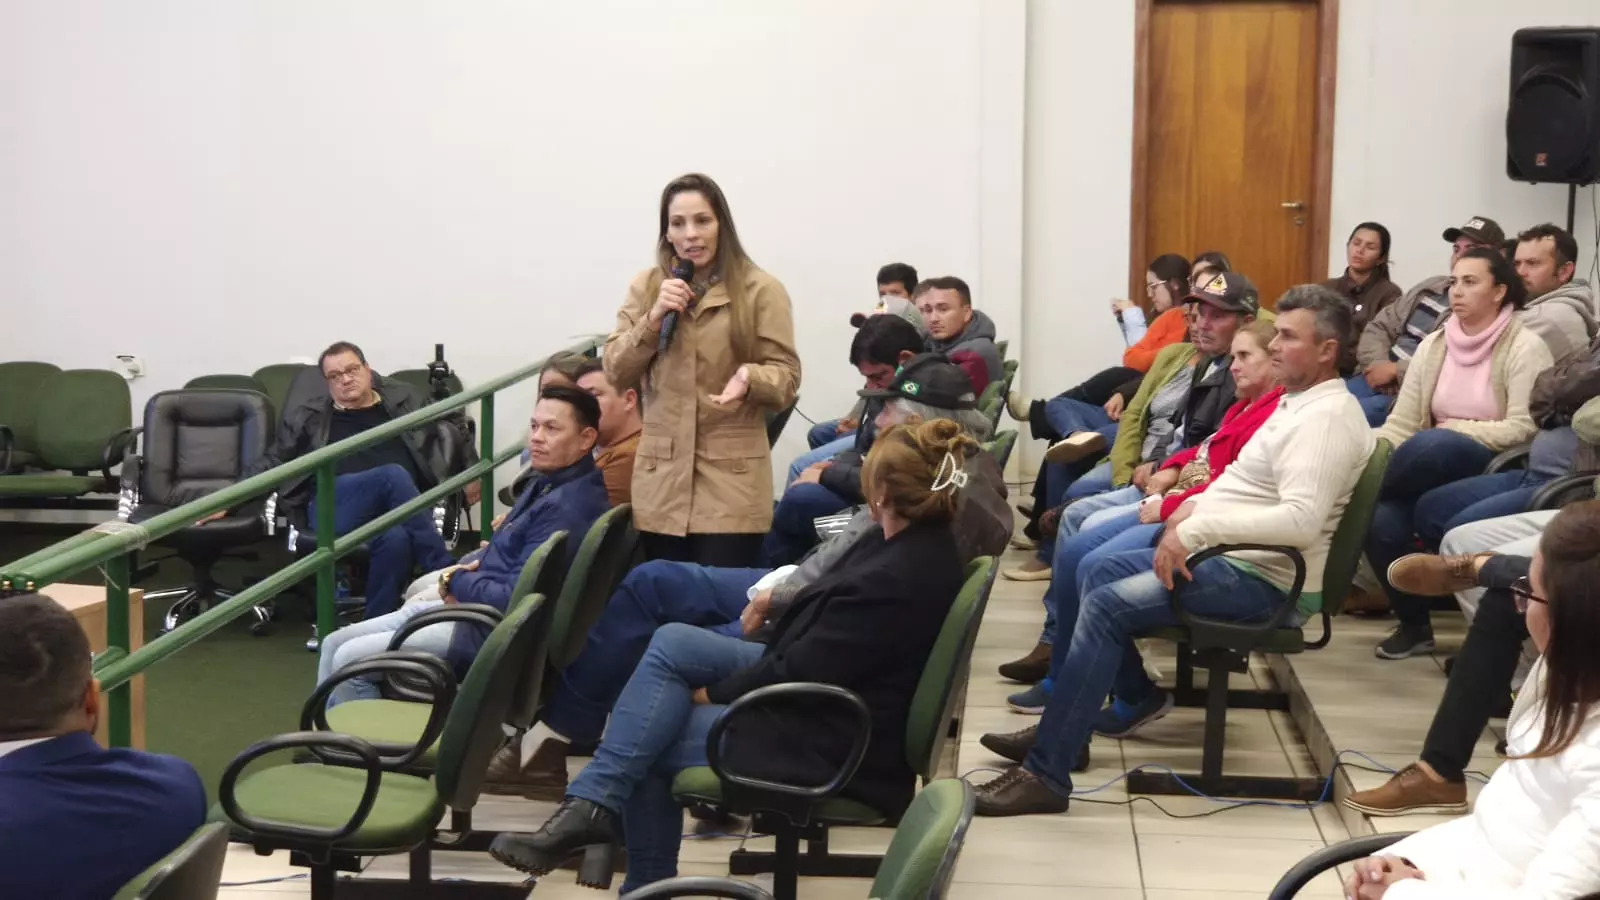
[578, 827]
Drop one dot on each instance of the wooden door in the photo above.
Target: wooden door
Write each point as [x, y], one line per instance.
[1231, 115]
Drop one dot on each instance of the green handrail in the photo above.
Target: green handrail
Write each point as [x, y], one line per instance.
[112, 548]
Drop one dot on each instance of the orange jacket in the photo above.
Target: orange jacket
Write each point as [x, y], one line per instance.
[1168, 328]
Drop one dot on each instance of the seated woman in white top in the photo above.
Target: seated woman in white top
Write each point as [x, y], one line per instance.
[1535, 831]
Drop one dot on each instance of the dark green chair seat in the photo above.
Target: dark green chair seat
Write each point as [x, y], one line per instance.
[702, 784]
[51, 485]
[403, 816]
[386, 722]
[22, 459]
[191, 872]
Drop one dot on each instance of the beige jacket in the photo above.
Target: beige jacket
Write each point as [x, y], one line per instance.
[703, 468]
[1518, 358]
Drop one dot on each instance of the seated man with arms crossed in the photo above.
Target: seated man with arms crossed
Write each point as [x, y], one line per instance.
[569, 495]
[733, 602]
[375, 480]
[1288, 486]
[76, 820]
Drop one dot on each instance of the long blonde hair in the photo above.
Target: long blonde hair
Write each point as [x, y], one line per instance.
[731, 265]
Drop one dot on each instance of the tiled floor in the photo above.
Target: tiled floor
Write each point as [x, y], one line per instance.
[1097, 851]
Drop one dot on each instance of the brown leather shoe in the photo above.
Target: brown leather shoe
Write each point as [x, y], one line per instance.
[1030, 669]
[1365, 603]
[1411, 790]
[543, 778]
[1013, 746]
[1017, 793]
[1432, 575]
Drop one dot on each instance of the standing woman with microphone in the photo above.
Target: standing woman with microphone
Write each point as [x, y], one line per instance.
[709, 336]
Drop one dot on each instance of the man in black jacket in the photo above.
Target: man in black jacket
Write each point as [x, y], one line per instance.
[378, 478]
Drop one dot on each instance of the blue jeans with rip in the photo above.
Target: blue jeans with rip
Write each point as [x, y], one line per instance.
[656, 732]
[653, 595]
[1427, 461]
[1122, 599]
[360, 497]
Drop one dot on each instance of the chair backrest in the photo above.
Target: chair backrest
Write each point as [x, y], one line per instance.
[226, 382]
[418, 378]
[473, 730]
[1344, 553]
[602, 560]
[991, 394]
[1002, 445]
[199, 441]
[544, 574]
[776, 421]
[276, 379]
[1004, 347]
[306, 385]
[922, 856]
[191, 872]
[1010, 367]
[934, 702]
[79, 411]
[19, 400]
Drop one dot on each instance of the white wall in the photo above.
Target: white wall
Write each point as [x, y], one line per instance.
[214, 187]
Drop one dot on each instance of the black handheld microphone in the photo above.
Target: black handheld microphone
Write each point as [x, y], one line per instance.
[683, 270]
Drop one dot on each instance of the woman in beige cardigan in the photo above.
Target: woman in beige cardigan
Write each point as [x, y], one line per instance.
[702, 477]
[1464, 400]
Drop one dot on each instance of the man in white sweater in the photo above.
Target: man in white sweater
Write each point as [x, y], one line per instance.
[1289, 486]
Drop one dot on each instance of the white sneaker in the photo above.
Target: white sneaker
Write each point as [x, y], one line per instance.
[1074, 447]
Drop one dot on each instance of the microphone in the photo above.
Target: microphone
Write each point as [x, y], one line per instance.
[683, 270]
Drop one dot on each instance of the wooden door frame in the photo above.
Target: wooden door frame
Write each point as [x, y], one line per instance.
[1322, 140]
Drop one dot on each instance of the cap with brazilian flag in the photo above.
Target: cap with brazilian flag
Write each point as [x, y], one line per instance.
[931, 379]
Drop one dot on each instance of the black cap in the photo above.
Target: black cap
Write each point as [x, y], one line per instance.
[931, 379]
[1480, 229]
[1228, 291]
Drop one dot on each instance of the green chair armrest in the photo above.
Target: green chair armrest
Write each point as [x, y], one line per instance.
[8, 440]
[470, 613]
[314, 715]
[365, 752]
[1214, 632]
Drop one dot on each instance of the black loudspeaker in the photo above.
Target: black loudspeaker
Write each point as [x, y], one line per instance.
[1553, 121]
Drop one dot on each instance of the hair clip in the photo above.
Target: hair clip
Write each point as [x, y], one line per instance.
[949, 474]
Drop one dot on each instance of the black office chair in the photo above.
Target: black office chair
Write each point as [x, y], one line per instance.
[196, 442]
[1306, 870]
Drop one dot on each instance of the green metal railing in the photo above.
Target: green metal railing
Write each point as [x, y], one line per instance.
[111, 547]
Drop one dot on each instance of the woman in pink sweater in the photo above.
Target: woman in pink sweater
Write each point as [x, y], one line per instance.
[1464, 400]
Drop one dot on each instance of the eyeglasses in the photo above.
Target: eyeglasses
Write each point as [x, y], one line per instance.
[349, 371]
[1523, 596]
[1150, 288]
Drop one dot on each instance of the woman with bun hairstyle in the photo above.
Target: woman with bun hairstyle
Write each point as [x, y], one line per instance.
[714, 353]
[868, 626]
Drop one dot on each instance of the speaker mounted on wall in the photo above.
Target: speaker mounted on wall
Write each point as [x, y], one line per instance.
[1553, 120]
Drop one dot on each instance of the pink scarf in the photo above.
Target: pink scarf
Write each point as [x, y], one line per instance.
[1465, 389]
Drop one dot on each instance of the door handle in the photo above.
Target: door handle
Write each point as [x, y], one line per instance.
[1292, 204]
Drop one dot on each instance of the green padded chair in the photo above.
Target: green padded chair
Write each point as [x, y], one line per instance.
[20, 383]
[917, 866]
[1224, 647]
[1001, 446]
[398, 722]
[1004, 347]
[331, 816]
[793, 814]
[276, 379]
[191, 872]
[418, 378]
[1011, 367]
[225, 382]
[82, 424]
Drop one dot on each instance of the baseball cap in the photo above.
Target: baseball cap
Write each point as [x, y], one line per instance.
[1227, 290]
[931, 379]
[1480, 229]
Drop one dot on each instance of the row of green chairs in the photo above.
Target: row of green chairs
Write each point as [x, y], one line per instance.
[61, 434]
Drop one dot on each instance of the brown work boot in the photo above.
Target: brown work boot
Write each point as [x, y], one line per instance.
[1432, 575]
[543, 778]
[1030, 669]
[1414, 789]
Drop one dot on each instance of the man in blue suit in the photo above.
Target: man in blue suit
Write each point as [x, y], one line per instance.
[568, 493]
[76, 820]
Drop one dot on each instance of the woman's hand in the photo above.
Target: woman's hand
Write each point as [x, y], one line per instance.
[1370, 878]
[755, 613]
[1161, 482]
[1141, 475]
[700, 698]
[1150, 511]
[1113, 408]
[737, 387]
[675, 296]
[1120, 305]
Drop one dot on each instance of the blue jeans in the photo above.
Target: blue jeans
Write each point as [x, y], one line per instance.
[1375, 404]
[654, 594]
[793, 533]
[1068, 416]
[1067, 560]
[1428, 461]
[823, 433]
[360, 497]
[819, 453]
[656, 732]
[1121, 600]
[1095, 481]
[1473, 500]
[1079, 511]
[368, 638]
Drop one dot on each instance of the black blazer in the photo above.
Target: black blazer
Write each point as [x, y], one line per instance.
[868, 626]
